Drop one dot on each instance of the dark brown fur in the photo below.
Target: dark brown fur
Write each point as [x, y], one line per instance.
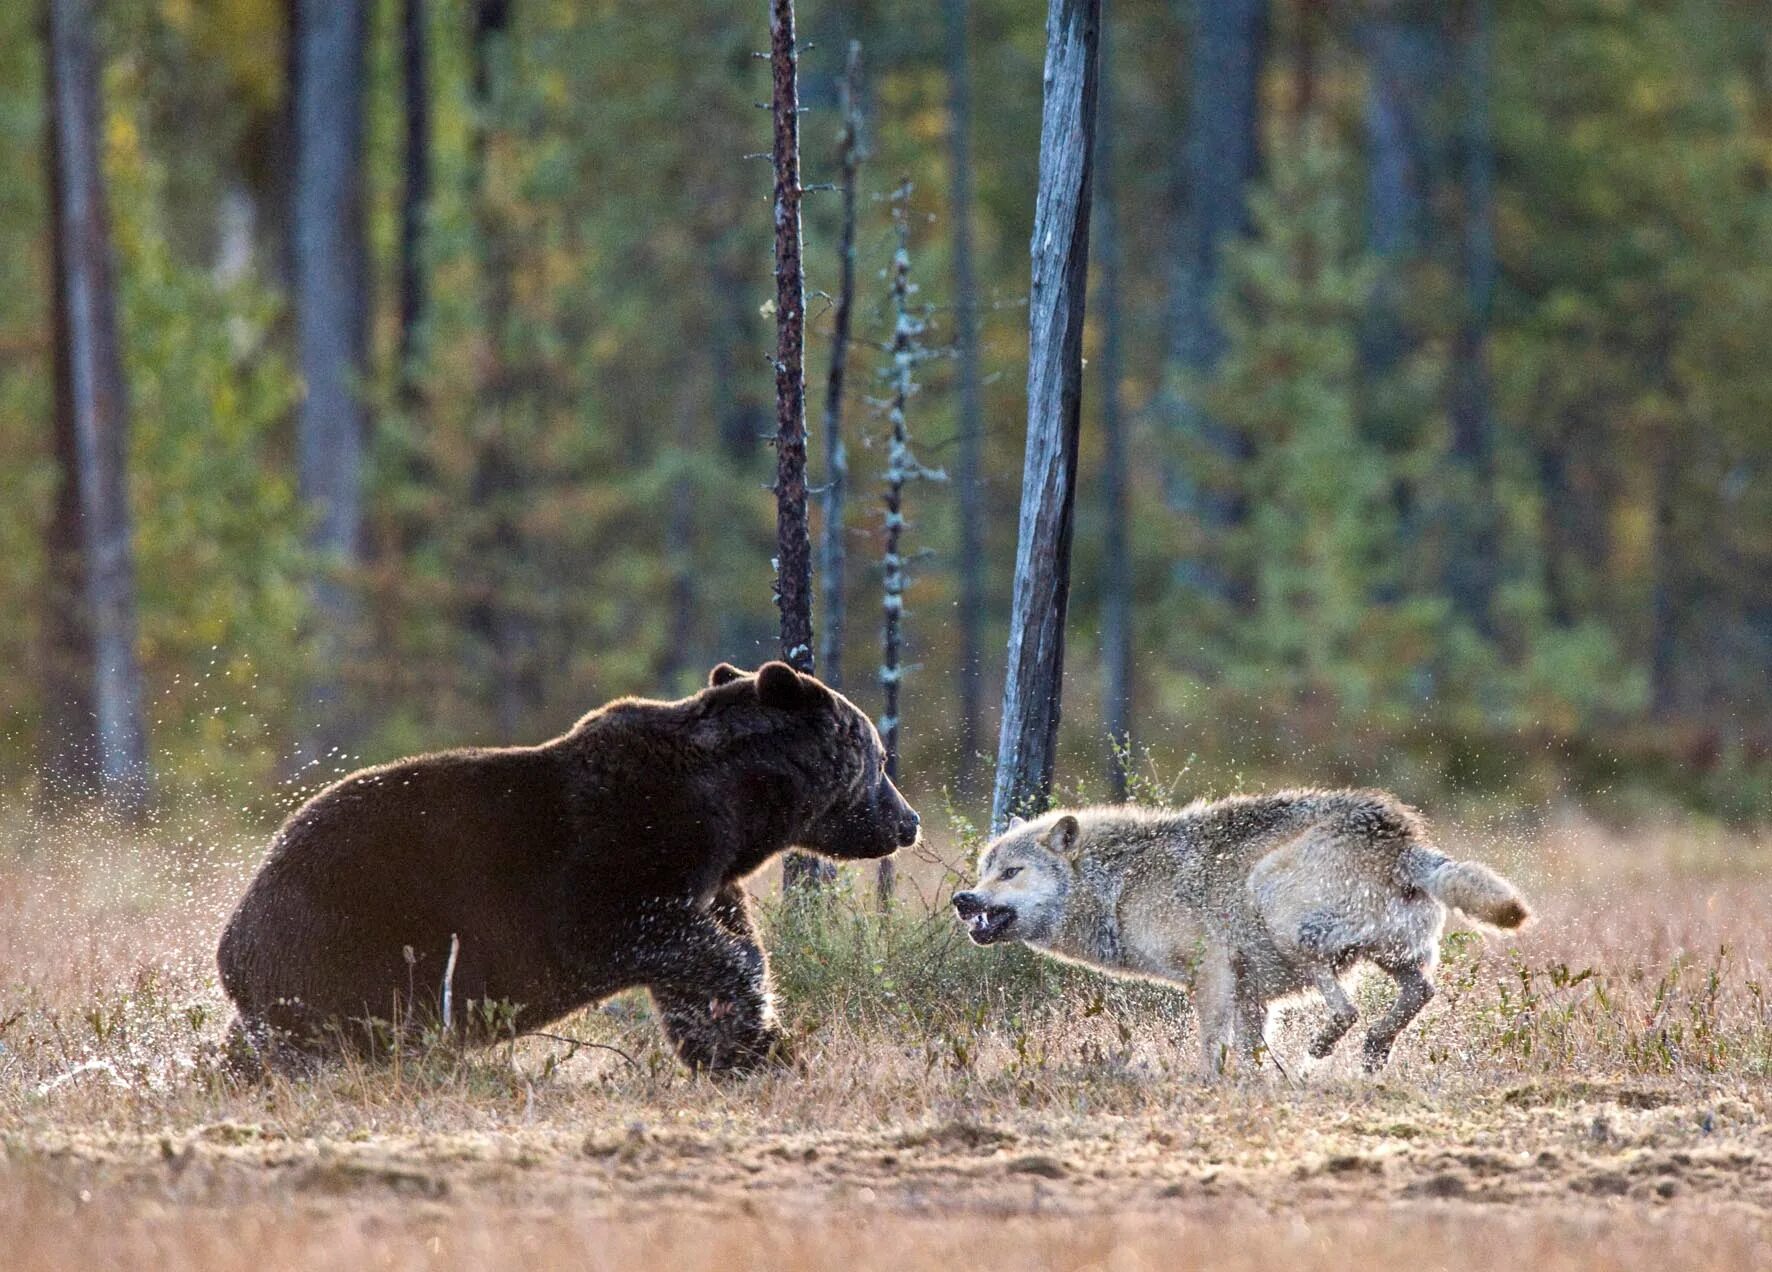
[607, 858]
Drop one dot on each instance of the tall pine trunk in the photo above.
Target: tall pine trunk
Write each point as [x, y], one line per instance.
[92, 428]
[833, 555]
[1472, 546]
[502, 631]
[902, 468]
[970, 468]
[1222, 157]
[1116, 573]
[1028, 742]
[1405, 54]
[415, 197]
[332, 333]
[793, 536]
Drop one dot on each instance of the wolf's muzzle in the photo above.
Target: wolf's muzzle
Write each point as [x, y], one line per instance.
[984, 923]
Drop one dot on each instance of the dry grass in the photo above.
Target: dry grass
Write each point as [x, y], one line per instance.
[1594, 1094]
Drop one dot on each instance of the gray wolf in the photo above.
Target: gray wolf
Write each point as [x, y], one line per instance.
[1246, 900]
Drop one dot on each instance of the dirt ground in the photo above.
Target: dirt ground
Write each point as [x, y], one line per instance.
[1596, 1095]
[1581, 1174]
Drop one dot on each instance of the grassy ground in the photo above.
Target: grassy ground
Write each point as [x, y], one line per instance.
[1593, 1094]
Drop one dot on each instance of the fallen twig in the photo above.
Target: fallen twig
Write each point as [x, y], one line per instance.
[580, 1042]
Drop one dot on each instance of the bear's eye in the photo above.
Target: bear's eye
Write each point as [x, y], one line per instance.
[1009, 872]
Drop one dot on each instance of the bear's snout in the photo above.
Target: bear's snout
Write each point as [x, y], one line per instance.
[909, 826]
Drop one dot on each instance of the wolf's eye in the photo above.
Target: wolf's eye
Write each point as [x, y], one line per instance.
[1009, 872]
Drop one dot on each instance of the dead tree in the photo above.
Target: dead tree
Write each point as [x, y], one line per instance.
[901, 467]
[832, 554]
[415, 198]
[332, 326]
[793, 540]
[1056, 300]
[793, 537]
[1116, 571]
[1472, 566]
[70, 762]
[1221, 158]
[503, 630]
[92, 417]
[970, 473]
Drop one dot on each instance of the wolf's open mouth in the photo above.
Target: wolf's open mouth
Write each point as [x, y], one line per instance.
[990, 924]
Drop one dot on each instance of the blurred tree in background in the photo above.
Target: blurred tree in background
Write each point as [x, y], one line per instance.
[1485, 291]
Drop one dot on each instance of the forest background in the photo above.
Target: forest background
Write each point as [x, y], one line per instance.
[1436, 341]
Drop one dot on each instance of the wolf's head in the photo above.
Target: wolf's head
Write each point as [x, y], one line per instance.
[1024, 879]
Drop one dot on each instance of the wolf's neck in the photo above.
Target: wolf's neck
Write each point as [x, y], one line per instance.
[1090, 931]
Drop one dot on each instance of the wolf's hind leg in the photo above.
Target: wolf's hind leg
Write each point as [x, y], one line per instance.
[1342, 1015]
[1414, 991]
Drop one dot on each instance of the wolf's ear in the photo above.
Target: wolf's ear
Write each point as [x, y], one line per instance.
[1066, 838]
[724, 674]
[1015, 822]
[781, 687]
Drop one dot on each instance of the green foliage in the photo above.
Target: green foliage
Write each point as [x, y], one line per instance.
[1318, 547]
[571, 504]
[218, 545]
[909, 970]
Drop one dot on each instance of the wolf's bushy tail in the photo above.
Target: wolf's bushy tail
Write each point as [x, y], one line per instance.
[1466, 886]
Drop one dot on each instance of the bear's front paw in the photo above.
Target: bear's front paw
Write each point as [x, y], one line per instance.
[768, 1048]
[725, 1037]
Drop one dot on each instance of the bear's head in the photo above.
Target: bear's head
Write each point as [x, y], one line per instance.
[826, 749]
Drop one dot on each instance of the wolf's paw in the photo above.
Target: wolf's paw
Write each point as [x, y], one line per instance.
[1375, 1054]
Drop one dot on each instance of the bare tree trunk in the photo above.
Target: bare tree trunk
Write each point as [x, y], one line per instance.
[1310, 18]
[793, 537]
[833, 554]
[495, 492]
[1116, 574]
[96, 403]
[971, 411]
[332, 331]
[1665, 593]
[1228, 54]
[416, 197]
[70, 767]
[901, 467]
[1060, 249]
[70, 764]
[1405, 62]
[283, 145]
[1471, 564]
[892, 563]
[793, 585]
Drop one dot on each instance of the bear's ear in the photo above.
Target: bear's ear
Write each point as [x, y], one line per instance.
[781, 687]
[724, 674]
[1065, 837]
[1016, 822]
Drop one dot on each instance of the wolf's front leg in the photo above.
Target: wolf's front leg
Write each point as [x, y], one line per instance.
[712, 991]
[1215, 999]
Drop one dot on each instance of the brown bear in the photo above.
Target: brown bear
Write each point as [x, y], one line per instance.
[611, 857]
